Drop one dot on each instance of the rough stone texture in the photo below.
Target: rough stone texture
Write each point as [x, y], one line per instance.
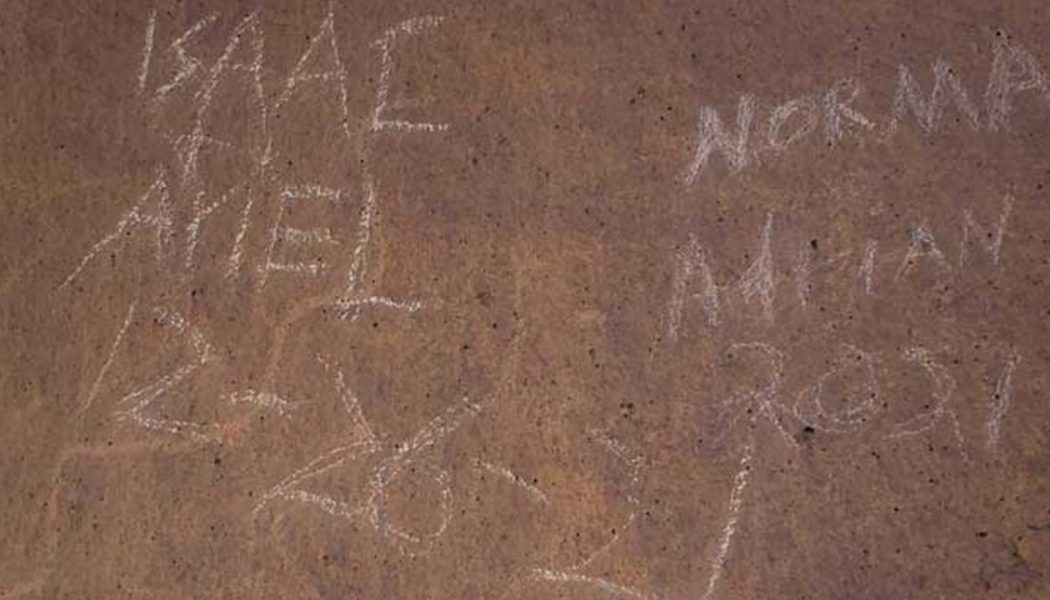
[268, 334]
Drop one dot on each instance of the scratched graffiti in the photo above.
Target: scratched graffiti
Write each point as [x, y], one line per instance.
[316, 349]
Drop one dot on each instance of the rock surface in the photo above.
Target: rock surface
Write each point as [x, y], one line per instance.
[408, 299]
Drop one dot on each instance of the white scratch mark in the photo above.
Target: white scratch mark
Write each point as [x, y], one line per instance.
[635, 463]
[994, 241]
[502, 471]
[147, 50]
[189, 146]
[332, 459]
[187, 65]
[134, 217]
[837, 110]
[758, 281]
[109, 358]
[806, 265]
[263, 400]
[1002, 399]
[867, 266]
[586, 562]
[603, 584]
[234, 262]
[845, 419]
[349, 400]
[943, 388]
[691, 259]
[296, 236]
[413, 26]
[763, 402]
[336, 71]
[366, 221]
[946, 88]
[315, 235]
[921, 244]
[711, 136]
[736, 498]
[409, 306]
[1014, 70]
[194, 226]
[144, 397]
[780, 115]
[391, 467]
